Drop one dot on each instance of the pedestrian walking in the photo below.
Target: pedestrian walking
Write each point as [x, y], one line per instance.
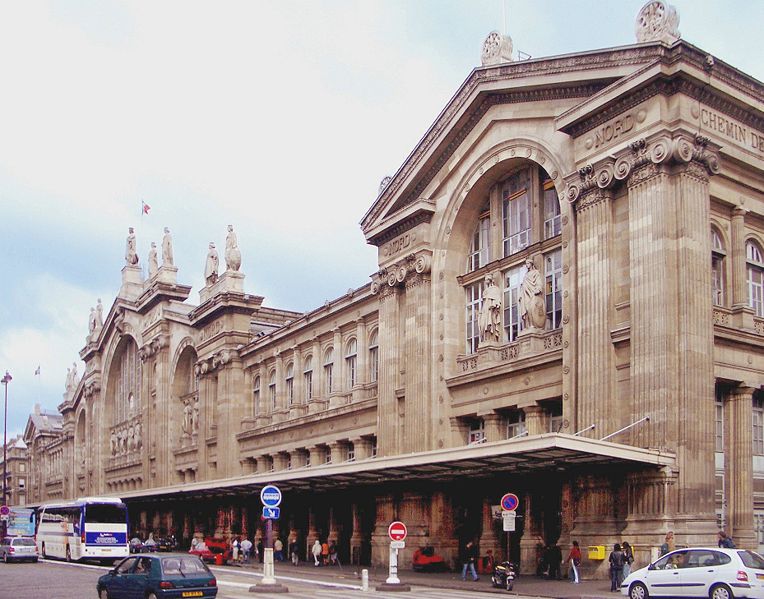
[235, 550]
[325, 553]
[278, 550]
[246, 549]
[293, 555]
[333, 554]
[725, 540]
[316, 551]
[574, 559]
[469, 556]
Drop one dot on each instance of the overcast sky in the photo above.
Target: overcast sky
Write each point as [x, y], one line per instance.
[279, 117]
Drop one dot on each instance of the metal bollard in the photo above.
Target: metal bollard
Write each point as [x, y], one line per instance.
[364, 580]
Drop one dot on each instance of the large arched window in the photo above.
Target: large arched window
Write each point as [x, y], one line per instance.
[127, 389]
[329, 371]
[717, 268]
[755, 277]
[374, 357]
[527, 205]
[351, 360]
[256, 396]
[289, 380]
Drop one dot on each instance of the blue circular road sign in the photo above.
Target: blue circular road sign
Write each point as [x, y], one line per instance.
[509, 502]
[270, 495]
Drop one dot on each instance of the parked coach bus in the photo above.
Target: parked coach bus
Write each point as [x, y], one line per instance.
[87, 528]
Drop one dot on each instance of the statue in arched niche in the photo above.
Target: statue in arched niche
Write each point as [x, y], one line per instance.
[489, 319]
[531, 301]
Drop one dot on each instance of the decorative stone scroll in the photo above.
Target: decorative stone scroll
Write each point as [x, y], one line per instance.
[497, 49]
[640, 160]
[658, 21]
[411, 270]
[153, 347]
[215, 361]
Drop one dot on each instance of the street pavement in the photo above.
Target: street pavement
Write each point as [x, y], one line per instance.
[424, 585]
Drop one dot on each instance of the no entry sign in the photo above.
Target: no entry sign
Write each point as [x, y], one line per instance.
[397, 531]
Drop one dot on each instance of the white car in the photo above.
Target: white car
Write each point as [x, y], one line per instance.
[699, 572]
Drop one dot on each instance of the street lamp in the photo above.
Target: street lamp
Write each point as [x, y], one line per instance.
[5, 380]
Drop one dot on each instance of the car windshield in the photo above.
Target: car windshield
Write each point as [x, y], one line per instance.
[23, 542]
[751, 560]
[183, 565]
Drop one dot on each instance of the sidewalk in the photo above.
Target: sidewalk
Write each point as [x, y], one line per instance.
[528, 586]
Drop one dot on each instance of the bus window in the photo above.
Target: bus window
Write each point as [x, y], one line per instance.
[104, 513]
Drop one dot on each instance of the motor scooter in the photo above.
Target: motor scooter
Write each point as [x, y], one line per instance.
[503, 575]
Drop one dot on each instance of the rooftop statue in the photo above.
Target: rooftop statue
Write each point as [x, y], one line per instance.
[167, 257]
[232, 252]
[211, 266]
[153, 261]
[131, 256]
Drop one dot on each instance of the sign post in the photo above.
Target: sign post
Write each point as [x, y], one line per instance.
[509, 503]
[397, 532]
[270, 497]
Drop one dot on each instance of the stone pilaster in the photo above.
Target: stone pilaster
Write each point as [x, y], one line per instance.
[532, 537]
[362, 448]
[738, 466]
[356, 537]
[338, 372]
[380, 542]
[389, 352]
[489, 539]
[495, 428]
[595, 348]
[316, 453]
[337, 451]
[362, 374]
[534, 420]
[230, 410]
[298, 392]
[737, 258]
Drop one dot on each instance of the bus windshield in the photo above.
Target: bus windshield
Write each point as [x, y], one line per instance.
[103, 513]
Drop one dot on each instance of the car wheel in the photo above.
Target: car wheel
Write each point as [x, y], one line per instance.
[103, 594]
[68, 554]
[638, 591]
[720, 591]
[151, 596]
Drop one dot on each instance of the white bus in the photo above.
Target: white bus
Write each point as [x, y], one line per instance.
[87, 528]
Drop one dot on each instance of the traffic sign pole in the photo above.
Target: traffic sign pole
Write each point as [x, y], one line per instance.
[270, 496]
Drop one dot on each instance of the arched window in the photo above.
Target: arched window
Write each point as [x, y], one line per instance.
[374, 357]
[256, 396]
[329, 371]
[307, 377]
[717, 268]
[755, 278]
[512, 282]
[272, 389]
[472, 317]
[290, 383]
[351, 359]
[552, 225]
[516, 212]
[553, 289]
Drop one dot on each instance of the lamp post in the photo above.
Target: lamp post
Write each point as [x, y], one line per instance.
[5, 380]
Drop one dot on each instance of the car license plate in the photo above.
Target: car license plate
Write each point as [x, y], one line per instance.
[759, 576]
[192, 594]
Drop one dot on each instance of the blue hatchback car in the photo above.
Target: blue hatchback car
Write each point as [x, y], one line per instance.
[152, 576]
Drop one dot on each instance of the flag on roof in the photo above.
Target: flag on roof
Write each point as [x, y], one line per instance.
[37, 371]
[145, 207]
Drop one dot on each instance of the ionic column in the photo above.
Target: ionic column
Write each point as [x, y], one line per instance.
[534, 420]
[298, 458]
[356, 539]
[362, 448]
[297, 382]
[316, 453]
[280, 386]
[339, 383]
[336, 450]
[738, 466]
[362, 374]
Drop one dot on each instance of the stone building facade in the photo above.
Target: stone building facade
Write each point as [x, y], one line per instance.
[569, 306]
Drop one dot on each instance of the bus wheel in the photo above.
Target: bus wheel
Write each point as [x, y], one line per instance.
[68, 554]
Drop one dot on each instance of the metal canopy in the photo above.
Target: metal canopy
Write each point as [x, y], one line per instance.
[554, 452]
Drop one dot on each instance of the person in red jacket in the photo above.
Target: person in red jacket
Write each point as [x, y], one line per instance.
[574, 560]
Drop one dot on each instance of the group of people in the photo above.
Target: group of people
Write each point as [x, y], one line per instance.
[324, 554]
[620, 559]
[241, 549]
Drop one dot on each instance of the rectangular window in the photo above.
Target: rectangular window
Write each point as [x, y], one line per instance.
[553, 291]
[717, 284]
[477, 432]
[552, 226]
[351, 452]
[350, 363]
[328, 374]
[471, 317]
[374, 447]
[308, 385]
[758, 427]
[374, 360]
[756, 289]
[516, 424]
[513, 279]
[272, 393]
[516, 213]
[290, 390]
[479, 247]
[719, 428]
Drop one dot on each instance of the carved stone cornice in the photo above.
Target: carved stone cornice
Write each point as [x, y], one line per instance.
[216, 361]
[410, 271]
[153, 347]
[641, 160]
